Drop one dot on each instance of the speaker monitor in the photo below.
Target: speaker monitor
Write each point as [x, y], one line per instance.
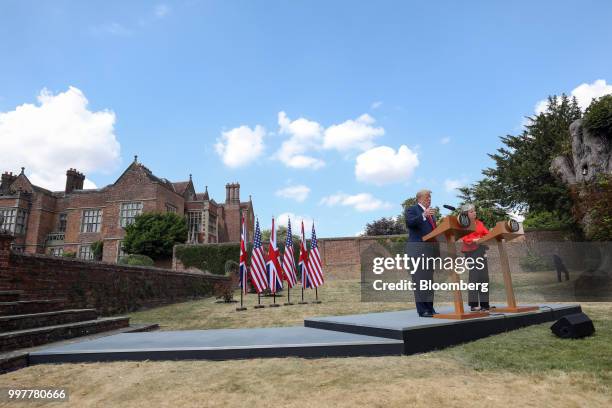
[573, 326]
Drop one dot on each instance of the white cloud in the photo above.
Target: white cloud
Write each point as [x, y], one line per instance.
[305, 135]
[88, 184]
[445, 140]
[584, 94]
[58, 133]
[298, 193]
[296, 223]
[353, 134]
[376, 105]
[361, 202]
[161, 10]
[240, 146]
[382, 165]
[541, 106]
[451, 185]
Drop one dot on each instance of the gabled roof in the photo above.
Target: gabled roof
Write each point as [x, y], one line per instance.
[203, 196]
[140, 167]
[181, 186]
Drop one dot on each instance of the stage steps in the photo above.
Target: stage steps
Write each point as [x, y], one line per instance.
[33, 320]
[40, 335]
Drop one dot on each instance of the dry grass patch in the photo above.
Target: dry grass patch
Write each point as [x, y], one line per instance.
[421, 381]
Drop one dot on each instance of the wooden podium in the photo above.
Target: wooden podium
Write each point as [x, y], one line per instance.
[453, 228]
[506, 230]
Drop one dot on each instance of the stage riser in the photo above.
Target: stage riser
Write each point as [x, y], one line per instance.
[375, 334]
[441, 334]
[302, 352]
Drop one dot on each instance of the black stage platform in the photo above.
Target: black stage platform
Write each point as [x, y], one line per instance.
[224, 344]
[424, 334]
[373, 334]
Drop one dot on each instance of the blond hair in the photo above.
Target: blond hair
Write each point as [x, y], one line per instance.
[422, 193]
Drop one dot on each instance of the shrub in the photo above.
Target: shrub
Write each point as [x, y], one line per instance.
[553, 220]
[598, 116]
[155, 234]
[213, 257]
[69, 254]
[535, 263]
[136, 260]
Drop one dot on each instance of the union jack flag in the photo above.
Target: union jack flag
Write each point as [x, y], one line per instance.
[244, 269]
[274, 269]
[258, 262]
[315, 270]
[303, 261]
[289, 269]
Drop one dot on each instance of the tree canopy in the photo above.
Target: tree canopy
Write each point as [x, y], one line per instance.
[520, 180]
[155, 234]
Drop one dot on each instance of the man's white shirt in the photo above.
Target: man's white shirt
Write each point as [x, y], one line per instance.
[423, 207]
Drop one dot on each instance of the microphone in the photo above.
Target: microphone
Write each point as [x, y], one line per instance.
[449, 207]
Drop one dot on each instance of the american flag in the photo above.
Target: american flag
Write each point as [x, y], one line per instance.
[274, 269]
[244, 269]
[288, 259]
[303, 260]
[258, 262]
[315, 271]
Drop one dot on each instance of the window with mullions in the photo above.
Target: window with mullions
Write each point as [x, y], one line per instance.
[194, 225]
[56, 251]
[120, 252]
[61, 227]
[128, 213]
[85, 252]
[91, 221]
[14, 220]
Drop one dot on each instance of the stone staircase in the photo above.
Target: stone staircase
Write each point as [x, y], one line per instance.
[28, 323]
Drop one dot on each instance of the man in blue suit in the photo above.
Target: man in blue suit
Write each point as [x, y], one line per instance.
[420, 221]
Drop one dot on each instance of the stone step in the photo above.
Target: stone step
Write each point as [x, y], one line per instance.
[30, 321]
[10, 295]
[41, 335]
[30, 306]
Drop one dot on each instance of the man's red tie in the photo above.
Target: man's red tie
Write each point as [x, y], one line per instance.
[431, 221]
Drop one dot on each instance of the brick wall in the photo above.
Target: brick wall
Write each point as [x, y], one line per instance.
[341, 256]
[109, 288]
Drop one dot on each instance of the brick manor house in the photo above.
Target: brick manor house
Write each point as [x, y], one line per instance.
[55, 222]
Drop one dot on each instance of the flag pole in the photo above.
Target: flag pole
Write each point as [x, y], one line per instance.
[259, 305]
[274, 304]
[302, 301]
[241, 308]
[316, 296]
[288, 297]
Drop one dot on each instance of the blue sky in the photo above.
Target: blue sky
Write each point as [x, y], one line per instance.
[306, 103]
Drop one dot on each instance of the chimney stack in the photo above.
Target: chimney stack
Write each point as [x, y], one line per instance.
[7, 180]
[74, 180]
[237, 193]
[232, 193]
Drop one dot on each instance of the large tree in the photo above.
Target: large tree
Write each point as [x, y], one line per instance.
[520, 180]
[385, 226]
[155, 234]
